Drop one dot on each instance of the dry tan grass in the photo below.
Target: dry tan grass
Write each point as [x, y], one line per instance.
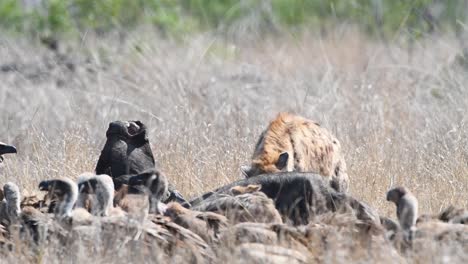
[206, 100]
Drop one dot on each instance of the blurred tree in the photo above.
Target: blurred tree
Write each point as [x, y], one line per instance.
[377, 17]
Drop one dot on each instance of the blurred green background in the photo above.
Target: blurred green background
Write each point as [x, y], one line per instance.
[382, 17]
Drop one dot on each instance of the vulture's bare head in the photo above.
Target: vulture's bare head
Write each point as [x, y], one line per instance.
[394, 195]
[406, 205]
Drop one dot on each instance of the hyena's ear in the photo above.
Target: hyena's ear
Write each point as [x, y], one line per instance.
[245, 169]
[282, 161]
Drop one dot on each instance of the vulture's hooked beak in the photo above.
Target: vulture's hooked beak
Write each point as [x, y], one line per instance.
[6, 149]
[44, 186]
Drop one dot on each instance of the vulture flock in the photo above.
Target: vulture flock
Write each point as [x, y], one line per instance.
[293, 196]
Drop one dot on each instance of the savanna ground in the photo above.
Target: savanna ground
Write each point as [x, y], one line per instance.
[399, 109]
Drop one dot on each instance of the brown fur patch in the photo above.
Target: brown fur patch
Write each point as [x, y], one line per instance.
[236, 190]
[176, 208]
[130, 203]
[32, 201]
[120, 194]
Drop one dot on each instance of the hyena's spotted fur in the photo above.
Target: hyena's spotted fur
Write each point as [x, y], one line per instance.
[294, 143]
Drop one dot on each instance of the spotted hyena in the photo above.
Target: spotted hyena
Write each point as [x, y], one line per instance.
[294, 143]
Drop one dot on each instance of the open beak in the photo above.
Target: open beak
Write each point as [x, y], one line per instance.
[6, 149]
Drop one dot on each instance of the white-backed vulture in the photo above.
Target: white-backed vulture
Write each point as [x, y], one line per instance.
[407, 206]
[100, 190]
[154, 185]
[65, 191]
[10, 205]
[154, 230]
[425, 230]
